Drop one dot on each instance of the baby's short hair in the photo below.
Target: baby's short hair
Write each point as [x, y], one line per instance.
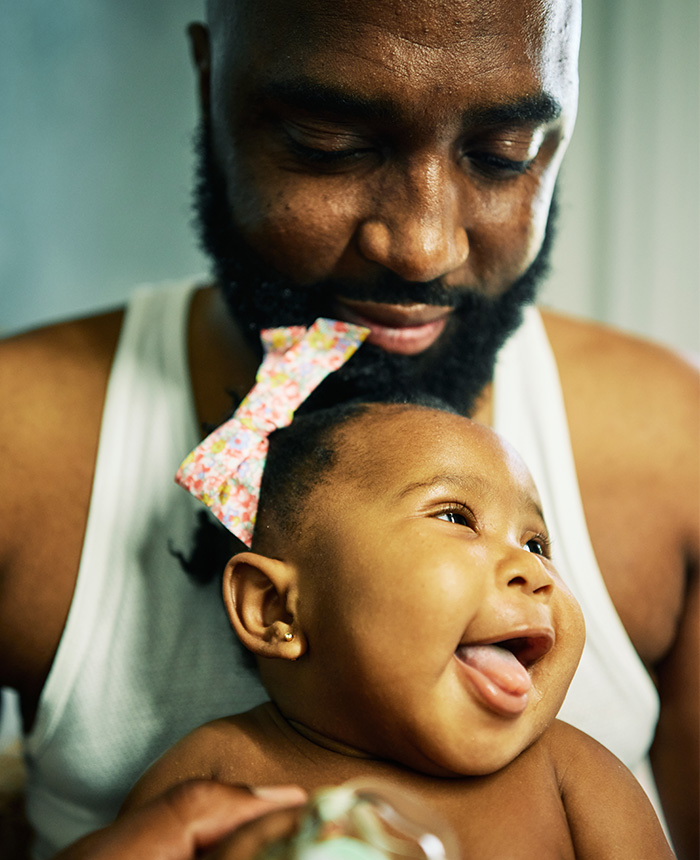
[301, 457]
[298, 460]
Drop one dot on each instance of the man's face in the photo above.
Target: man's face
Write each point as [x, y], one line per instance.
[438, 632]
[388, 164]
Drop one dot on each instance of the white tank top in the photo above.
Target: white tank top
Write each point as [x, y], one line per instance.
[147, 655]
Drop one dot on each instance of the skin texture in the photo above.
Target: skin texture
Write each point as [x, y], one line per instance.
[445, 545]
[632, 406]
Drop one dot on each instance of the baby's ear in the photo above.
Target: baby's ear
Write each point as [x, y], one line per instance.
[259, 595]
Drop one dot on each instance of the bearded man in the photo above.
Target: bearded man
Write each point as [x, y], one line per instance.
[392, 165]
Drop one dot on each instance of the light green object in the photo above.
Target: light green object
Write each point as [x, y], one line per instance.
[340, 848]
[364, 820]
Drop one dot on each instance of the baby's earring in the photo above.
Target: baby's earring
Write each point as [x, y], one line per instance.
[288, 636]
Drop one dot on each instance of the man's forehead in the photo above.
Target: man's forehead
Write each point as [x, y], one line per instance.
[416, 19]
[532, 27]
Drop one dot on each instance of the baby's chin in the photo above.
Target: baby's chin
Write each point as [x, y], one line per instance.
[479, 760]
[442, 761]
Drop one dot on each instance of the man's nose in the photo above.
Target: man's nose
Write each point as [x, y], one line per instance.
[415, 228]
[520, 569]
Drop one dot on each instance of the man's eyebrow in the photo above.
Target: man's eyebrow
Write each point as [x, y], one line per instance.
[532, 110]
[317, 97]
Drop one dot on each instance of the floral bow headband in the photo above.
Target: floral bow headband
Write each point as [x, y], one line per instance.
[225, 470]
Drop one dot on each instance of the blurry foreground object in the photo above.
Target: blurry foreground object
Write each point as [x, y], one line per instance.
[366, 820]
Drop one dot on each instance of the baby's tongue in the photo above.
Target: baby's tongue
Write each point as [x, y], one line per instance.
[498, 675]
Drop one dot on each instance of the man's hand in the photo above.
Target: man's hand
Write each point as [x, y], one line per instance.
[195, 817]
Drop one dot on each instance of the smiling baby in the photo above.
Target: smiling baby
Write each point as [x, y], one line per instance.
[409, 625]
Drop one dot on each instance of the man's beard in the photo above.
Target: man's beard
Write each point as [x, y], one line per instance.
[455, 369]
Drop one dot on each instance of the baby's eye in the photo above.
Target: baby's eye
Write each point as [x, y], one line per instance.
[453, 517]
[538, 545]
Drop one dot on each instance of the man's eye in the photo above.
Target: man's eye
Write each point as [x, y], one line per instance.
[496, 166]
[324, 149]
[325, 157]
[453, 517]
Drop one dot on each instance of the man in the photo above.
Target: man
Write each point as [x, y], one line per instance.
[389, 164]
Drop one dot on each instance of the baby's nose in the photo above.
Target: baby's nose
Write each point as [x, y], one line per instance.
[526, 571]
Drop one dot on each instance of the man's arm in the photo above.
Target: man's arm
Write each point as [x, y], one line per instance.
[634, 417]
[52, 388]
[675, 753]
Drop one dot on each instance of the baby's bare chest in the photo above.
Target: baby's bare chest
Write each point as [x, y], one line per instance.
[515, 814]
[496, 817]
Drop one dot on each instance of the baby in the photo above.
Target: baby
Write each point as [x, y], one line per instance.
[409, 626]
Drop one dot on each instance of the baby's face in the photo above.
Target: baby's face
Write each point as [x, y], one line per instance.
[439, 633]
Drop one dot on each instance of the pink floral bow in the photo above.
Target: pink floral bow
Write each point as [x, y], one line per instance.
[225, 470]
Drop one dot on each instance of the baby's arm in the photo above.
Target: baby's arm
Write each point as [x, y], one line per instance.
[609, 814]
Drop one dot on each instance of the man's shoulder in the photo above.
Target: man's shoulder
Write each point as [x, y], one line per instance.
[620, 383]
[591, 346]
[633, 410]
[35, 358]
[52, 387]
[53, 379]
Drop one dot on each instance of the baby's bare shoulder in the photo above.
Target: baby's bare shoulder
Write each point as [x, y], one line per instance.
[575, 756]
[222, 750]
[608, 812]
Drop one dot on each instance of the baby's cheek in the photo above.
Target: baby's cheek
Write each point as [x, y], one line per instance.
[571, 635]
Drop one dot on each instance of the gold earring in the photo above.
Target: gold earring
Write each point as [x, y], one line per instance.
[289, 635]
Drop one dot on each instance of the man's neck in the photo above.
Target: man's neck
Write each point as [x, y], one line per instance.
[222, 364]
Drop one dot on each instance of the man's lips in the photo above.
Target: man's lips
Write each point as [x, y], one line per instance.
[402, 329]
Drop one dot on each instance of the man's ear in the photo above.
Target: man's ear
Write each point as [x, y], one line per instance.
[201, 57]
[260, 597]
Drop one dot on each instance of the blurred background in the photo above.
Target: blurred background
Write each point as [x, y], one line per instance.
[97, 109]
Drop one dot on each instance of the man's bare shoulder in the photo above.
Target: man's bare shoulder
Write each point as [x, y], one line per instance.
[47, 369]
[634, 412]
[52, 386]
[633, 409]
[614, 368]
[65, 341]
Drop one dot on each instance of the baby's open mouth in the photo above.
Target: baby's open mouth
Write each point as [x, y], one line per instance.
[499, 671]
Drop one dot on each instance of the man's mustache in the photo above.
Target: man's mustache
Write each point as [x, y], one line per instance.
[392, 289]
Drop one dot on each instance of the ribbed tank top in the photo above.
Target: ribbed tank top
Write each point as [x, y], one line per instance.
[147, 655]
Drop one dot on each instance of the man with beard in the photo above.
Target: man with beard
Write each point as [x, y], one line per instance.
[388, 164]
